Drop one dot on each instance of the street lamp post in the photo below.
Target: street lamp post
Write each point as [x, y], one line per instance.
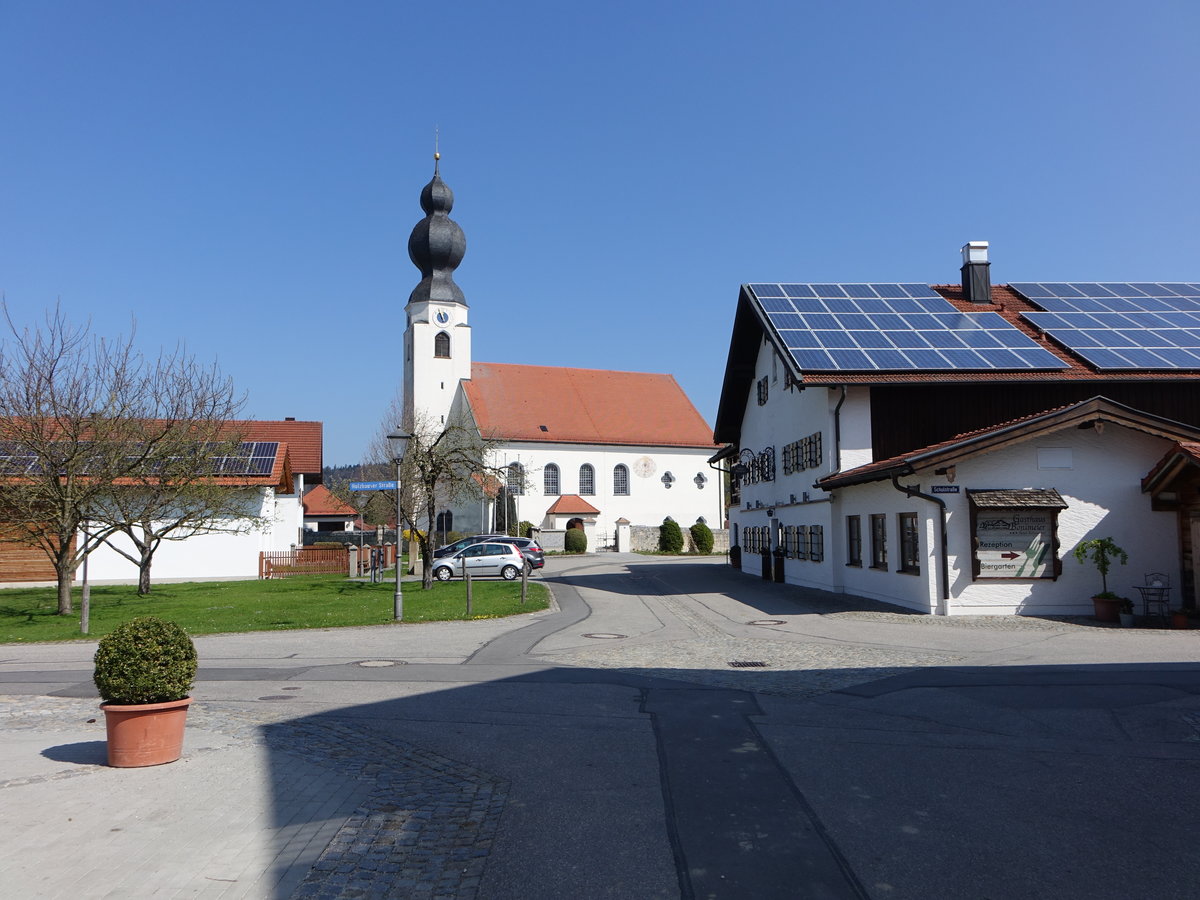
[398, 442]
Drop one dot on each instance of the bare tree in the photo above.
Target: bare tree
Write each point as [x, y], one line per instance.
[193, 484]
[81, 416]
[443, 464]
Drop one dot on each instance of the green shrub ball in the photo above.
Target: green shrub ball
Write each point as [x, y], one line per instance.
[575, 541]
[670, 536]
[145, 660]
[702, 536]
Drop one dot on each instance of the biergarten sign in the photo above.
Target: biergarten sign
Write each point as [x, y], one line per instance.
[1015, 543]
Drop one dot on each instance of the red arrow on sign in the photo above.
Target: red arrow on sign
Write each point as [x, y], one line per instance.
[1009, 555]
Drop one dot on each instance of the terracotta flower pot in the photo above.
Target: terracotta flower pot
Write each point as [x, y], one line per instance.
[1179, 620]
[145, 734]
[1107, 610]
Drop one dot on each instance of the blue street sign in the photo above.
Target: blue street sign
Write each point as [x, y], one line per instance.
[372, 485]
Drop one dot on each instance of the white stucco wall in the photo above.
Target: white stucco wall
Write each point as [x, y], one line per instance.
[1101, 488]
[791, 499]
[209, 556]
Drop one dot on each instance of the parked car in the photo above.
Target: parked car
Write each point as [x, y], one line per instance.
[462, 543]
[487, 558]
[531, 549]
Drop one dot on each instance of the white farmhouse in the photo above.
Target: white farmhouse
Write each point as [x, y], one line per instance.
[945, 448]
[607, 448]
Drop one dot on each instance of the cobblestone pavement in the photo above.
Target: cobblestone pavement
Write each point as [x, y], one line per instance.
[422, 829]
[781, 667]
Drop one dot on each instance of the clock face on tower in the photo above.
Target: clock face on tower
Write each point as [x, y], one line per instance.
[442, 317]
[644, 467]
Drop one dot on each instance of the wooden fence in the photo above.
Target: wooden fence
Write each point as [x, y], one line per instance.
[284, 563]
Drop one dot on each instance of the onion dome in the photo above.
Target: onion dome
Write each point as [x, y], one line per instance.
[437, 245]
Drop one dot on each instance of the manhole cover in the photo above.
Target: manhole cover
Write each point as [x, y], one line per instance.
[605, 636]
[380, 663]
[747, 664]
[767, 622]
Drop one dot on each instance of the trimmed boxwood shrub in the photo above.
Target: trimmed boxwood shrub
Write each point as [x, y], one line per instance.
[670, 536]
[145, 660]
[703, 537]
[575, 541]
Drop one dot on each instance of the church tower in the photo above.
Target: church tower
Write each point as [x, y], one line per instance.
[437, 337]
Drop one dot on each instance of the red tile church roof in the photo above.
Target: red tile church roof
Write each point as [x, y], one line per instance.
[583, 406]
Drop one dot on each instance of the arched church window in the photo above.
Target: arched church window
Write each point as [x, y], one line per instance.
[441, 345]
[621, 479]
[516, 479]
[550, 480]
[587, 480]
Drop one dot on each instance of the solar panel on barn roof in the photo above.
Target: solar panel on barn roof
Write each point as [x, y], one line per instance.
[1120, 325]
[892, 327]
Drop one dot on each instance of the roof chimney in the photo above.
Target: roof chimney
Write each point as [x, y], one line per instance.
[976, 278]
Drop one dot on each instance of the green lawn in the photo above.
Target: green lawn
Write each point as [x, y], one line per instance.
[213, 607]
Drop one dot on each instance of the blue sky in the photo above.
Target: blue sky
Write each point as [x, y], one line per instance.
[244, 176]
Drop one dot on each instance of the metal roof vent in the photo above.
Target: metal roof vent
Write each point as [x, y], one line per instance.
[976, 277]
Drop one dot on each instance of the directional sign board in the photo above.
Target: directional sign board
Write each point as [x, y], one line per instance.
[1012, 543]
[372, 485]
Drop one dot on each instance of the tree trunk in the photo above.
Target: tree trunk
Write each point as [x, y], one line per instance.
[426, 566]
[64, 594]
[144, 575]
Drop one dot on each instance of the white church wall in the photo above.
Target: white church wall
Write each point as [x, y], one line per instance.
[649, 499]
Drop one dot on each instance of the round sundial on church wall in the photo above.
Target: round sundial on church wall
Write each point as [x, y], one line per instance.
[644, 467]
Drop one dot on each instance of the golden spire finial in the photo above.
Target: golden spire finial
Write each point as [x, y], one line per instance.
[436, 154]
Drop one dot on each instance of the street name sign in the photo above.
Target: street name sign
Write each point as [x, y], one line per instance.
[372, 485]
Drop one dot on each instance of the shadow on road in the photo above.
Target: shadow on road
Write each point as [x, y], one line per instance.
[949, 782]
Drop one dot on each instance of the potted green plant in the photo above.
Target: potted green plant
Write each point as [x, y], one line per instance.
[1103, 552]
[144, 670]
[1126, 613]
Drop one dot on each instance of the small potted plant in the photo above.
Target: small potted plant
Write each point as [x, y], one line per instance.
[1103, 552]
[1179, 618]
[1126, 613]
[144, 671]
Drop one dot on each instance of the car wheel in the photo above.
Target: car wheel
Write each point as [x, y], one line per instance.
[509, 573]
[442, 573]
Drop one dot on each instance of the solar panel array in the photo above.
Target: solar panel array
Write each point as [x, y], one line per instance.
[892, 327]
[250, 458]
[1121, 325]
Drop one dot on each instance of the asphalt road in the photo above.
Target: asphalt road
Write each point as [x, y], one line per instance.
[678, 729]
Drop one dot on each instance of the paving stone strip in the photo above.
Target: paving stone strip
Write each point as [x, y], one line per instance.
[424, 832]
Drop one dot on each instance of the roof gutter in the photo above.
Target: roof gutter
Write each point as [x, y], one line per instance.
[943, 556]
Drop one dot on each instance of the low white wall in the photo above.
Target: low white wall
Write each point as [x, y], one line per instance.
[208, 556]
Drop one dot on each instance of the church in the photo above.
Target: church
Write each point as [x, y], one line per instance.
[605, 449]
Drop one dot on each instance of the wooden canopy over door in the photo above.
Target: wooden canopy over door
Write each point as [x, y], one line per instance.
[1174, 484]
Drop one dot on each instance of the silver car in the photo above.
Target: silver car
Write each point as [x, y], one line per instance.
[488, 558]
